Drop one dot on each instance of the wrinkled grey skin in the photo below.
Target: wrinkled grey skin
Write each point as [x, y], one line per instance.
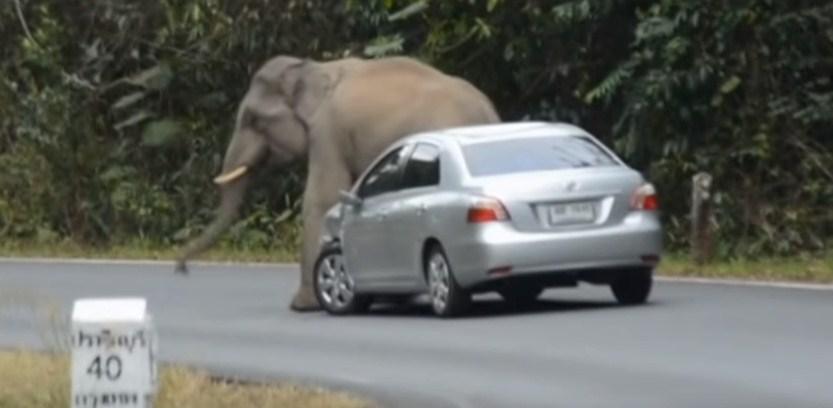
[339, 115]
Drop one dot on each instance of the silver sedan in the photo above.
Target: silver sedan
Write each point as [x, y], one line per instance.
[513, 208]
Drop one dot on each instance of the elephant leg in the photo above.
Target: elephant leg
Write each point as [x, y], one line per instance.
[304, 299]
[317, 201]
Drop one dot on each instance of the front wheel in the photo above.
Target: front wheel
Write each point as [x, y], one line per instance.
[447, 298]
[334, 287]
[633, 287]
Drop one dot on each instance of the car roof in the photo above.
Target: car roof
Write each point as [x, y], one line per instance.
[468, 135]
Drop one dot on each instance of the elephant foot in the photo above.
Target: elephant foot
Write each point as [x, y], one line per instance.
[181, 268]
[305, 301]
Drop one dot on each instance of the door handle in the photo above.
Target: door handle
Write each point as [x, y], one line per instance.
[381, 217]
[421, 209]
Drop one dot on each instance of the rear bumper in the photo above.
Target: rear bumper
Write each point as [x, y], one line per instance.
[499, 245]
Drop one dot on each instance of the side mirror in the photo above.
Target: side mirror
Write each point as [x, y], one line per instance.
[348, 198]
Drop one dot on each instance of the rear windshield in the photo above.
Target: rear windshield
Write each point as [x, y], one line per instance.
[534, 154]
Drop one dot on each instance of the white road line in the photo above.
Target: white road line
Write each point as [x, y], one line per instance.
[87, 261]
[738, 282]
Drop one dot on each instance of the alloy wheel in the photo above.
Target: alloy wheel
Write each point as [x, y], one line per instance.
[335, 285]
[438, 281]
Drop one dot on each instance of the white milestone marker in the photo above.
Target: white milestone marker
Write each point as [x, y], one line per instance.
[113, 354]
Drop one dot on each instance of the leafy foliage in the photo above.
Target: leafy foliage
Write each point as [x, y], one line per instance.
[114, 115]
[737, 89]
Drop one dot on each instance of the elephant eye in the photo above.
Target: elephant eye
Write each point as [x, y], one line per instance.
[249, 120]
[262, 120]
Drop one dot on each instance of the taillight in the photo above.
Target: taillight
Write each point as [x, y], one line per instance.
[487, 210]
[645, 198]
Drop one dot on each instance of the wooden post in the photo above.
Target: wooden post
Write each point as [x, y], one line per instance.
[701, 215]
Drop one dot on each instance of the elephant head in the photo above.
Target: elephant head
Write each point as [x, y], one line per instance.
[273, 120]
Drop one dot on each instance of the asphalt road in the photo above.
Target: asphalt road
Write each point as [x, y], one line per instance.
[694, 345]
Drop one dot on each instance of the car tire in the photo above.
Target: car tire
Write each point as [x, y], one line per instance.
[333, 285]
[521, 295]
[447, 298]
[633, 287]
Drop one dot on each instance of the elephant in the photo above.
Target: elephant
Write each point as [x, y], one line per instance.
[338, 115]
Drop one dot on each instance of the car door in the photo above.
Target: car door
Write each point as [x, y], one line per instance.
[409, 215]
[365, 229]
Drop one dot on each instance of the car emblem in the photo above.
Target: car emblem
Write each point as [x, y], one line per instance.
[571, 186]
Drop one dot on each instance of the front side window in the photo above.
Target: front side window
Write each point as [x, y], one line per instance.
[385, 176]
[534, 154]
[423, 167]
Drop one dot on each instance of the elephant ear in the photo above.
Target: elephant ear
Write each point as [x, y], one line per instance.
[287, 81]
[271, 88]
[310, 86]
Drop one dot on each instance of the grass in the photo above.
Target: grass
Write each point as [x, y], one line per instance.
[30, 380]
[816, 268]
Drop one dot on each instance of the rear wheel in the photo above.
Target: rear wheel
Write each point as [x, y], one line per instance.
[447, 297]
[334, 287]
[521, 294]
[633, 287]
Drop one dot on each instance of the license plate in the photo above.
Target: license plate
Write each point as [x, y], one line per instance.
[571, 213]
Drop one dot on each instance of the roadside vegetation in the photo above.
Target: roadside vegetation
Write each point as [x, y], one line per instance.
[809, 268]
[31, 380]
[114, 115]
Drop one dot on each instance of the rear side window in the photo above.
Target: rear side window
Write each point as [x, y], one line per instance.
[423, 168]
[534, 154]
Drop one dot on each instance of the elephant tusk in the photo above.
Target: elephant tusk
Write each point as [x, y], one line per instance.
[231, 176]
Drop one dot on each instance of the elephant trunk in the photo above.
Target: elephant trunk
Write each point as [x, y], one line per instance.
[233, 193]
[245, 151]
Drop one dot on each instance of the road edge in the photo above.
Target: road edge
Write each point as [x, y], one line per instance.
[95, 261]
[659, 278]
[741, 282]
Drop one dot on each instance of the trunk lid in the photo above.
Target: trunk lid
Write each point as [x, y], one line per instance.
[563, 199]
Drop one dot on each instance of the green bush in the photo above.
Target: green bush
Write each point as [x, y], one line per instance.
[740, 89]
[116, 114]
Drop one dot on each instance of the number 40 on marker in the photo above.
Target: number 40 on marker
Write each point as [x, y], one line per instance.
[110, 368]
